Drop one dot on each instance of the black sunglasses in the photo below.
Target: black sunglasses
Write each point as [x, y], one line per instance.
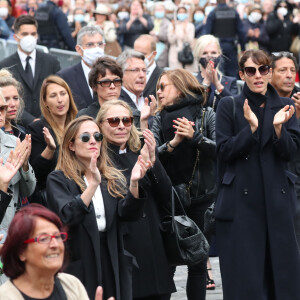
[114, 122]
[85, 137]
[3, 108]
[162, 86]
[251, 71]
[107, 82]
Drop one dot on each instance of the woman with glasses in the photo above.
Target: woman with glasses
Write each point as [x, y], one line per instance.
[93, 199]
[58, 110]
[185, 135]
[257, 134]
[33, 256]
[105, 78]
[153, 279]
[208, 54]
[12, 91]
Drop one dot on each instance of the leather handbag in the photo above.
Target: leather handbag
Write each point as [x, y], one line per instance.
[185, 56]
[184, 242]
[5, 199]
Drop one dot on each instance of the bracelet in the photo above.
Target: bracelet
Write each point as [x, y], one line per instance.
[218, 92]
[169, 144]
[51, 148]
[134, 186]
[206, 86]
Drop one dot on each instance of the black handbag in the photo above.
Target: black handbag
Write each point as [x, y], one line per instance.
[5, 199]
[184, 242]
[185, 56]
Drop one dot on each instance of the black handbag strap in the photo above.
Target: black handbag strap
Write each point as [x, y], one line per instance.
[173, 203]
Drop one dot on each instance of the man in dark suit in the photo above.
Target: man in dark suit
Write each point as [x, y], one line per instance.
[29, 67]
[147, 46]
[90, 46]
[284, 69]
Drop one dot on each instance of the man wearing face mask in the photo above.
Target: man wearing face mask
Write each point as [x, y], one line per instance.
[5, 15]
[147, 46]
[280, 28]
[257, 37]
[90, 46]
[225, 24]
[29, 66]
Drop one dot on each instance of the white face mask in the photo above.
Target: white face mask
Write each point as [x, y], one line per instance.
[91, 55]
[123, 15]
[28, 43]
[283, 11]
[147, 61]
[3, 12]
[254, 17]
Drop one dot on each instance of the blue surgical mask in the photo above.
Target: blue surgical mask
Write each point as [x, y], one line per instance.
[115, 6]
[198, 17]
[182, 17]
[159, 14]
[79, 18]
[208, 9]
[187, 7]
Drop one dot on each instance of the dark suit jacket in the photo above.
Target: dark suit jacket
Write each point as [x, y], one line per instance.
[64, 198]
[150, 88]
[45, 65]
[74, 76]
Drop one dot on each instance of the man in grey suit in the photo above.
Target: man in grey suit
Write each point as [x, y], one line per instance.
[90, 46]
[29, 66]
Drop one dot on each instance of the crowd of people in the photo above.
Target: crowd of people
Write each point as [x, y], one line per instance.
[92, 154]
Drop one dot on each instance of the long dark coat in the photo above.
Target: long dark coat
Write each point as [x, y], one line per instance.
[153, 276]
[256, 203]
[83, 242]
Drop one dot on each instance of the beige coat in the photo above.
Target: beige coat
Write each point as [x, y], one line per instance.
[177, 37]
[72, 286]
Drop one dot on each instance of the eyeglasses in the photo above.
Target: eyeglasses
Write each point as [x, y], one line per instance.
[46, 238]
[93, 45]
[137, 70]
[85, 137]
[3, 108]
[107, 82]
[114, 122]
[251, 71]
[283, 54]
[162, 86]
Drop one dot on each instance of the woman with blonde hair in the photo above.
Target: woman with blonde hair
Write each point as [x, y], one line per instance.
[12, 91]
[153, 278]
[58, 110]
[93, 199]
[185, 135]
[208, 54]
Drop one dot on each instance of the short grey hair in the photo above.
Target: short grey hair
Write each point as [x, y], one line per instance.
[89, 30]
[128, 54]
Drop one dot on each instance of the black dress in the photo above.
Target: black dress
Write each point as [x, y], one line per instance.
[153, 277]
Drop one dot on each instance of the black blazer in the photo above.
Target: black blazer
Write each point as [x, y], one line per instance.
[45, 65]
[150, 88]
[41, 166]
[83, 243]
[153, 277]
[74, 76]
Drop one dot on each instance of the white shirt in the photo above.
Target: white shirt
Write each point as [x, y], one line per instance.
[150, 70]
[122, 151]
[32, 61]
[86, 71]
[139, 102]
[99, 207]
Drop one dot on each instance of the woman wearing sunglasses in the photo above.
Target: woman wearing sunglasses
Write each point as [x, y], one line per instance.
[58, 110]
[257, 134]
[92, 198]
[185, 135]
[153, 278]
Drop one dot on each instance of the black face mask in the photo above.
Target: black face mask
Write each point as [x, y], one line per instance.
[204, 61]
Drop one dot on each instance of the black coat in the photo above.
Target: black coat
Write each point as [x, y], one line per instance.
[45, 65]
[256, 203]
[42, 167]
[84, 243]
[153, 277]
[179, 164]
[150, 88]
[75, 78]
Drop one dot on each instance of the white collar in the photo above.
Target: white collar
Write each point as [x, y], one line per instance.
[23, 55]
[150, 70]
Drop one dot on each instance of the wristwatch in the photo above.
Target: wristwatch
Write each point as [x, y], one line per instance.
[218, 92]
